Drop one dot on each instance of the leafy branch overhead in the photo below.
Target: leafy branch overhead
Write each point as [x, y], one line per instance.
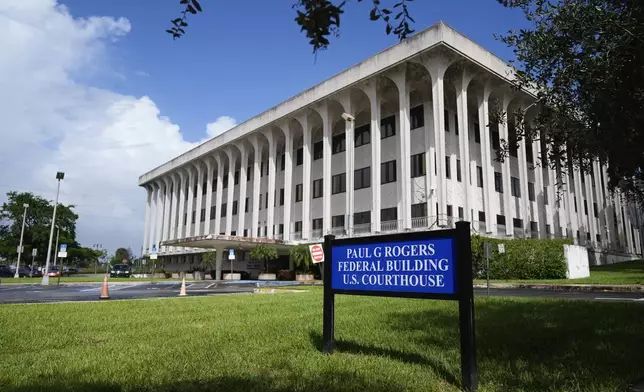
[190, 7]
[320, 19]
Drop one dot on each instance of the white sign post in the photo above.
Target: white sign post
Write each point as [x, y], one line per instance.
[501, 248]
[231, 257]
[63, 251]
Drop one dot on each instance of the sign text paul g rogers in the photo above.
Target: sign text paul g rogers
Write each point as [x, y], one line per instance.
[422, 266]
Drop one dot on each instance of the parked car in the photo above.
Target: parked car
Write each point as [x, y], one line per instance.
[5, 271]
[54, 271]
[120, 270]
[23, 272]
[73, 270]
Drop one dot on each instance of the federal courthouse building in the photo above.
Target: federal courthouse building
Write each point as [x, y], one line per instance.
[399, 142]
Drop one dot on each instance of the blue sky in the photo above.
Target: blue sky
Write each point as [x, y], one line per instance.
[240, 58]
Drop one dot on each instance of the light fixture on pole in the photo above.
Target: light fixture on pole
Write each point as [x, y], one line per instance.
[45, 277]
[22, 233]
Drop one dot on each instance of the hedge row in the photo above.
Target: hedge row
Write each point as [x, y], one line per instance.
[523, 258]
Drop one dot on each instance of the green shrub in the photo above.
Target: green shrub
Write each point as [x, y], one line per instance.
[523, 258]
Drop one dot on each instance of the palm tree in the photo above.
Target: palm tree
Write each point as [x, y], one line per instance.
[301, 258]
[264, 253]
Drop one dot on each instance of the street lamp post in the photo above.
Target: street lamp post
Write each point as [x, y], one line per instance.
[45, 277]
[56, 248]
[22, 233]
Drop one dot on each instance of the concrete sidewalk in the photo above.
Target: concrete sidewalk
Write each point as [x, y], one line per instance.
[599, 288]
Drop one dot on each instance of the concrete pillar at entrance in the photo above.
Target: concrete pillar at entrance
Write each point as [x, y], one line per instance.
[349, 126]
[165, 232]
[182, 201]
[146, 230]
[159, 213]
[325, 113]
[218, 263]
[524, 200]
[175, 201]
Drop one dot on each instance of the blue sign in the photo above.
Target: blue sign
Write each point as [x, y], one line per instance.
[231, 252]
[154, 249]
[420, 266]
[63, 247]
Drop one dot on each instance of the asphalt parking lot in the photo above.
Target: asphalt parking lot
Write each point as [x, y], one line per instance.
[35, 293]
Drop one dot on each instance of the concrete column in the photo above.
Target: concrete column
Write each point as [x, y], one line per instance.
[256, 181]
[349, 126]
[541, 215]
[182, 203]
[592, 221]
[219, 193]
[218, 262]
[601, 206]
[175, 202]
[272, 156]
[620, 223]
[460, 85]
[191, 198]
[404, 148]
[327, 123]
[146, 230]
[524, 201]
[430, 151]
[241, 214]
[569, 191]
[166, 211]
[306, 178]
[486, 158]
[288, 174]
[581, 216]
[553, 193]
[505, 171]
[609, 210]
[231, 188]
[371, 91]
[200, 179]
[159, 214]
[630, 241]
[153, 214]
[437, 71]
[210, 168]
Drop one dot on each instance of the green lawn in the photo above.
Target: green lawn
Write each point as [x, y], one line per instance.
[627, 273]
[271, 343]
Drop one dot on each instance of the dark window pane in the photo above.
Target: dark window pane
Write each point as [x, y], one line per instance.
[388, 214]
[317, 188]
[362, 135]
[339, 183]
[387, 127]
[318, 150]
[498, 182]
[419, 210]
[338, 143]
[337, 221]
[388, 172]
[418, 165]
[416, 117]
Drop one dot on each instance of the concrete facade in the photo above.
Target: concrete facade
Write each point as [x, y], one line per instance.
[398, 142]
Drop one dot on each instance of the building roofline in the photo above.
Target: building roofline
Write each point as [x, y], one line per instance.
[437, 34]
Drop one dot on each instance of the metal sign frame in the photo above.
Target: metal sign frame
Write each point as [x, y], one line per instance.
[463, 290]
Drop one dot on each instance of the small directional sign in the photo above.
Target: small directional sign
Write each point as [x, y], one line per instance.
[231, 254]
[154, 249]
[501, 248]
[63, 247]
[34, 252]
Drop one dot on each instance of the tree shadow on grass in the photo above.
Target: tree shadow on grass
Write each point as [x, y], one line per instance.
[328, 381]
[353, 347]
[542, 345]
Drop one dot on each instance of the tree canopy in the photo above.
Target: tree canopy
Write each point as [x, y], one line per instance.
[37, 224]
[584, 59]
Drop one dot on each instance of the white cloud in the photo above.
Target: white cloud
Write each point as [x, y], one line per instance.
[49, 121]
[220, 125]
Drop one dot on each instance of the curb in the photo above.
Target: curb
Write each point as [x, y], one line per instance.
[567, 287]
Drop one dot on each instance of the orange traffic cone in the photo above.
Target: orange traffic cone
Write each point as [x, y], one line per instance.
[105, 291]
[182, 293]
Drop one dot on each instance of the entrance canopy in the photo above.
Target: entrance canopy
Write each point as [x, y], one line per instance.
[213, 241]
